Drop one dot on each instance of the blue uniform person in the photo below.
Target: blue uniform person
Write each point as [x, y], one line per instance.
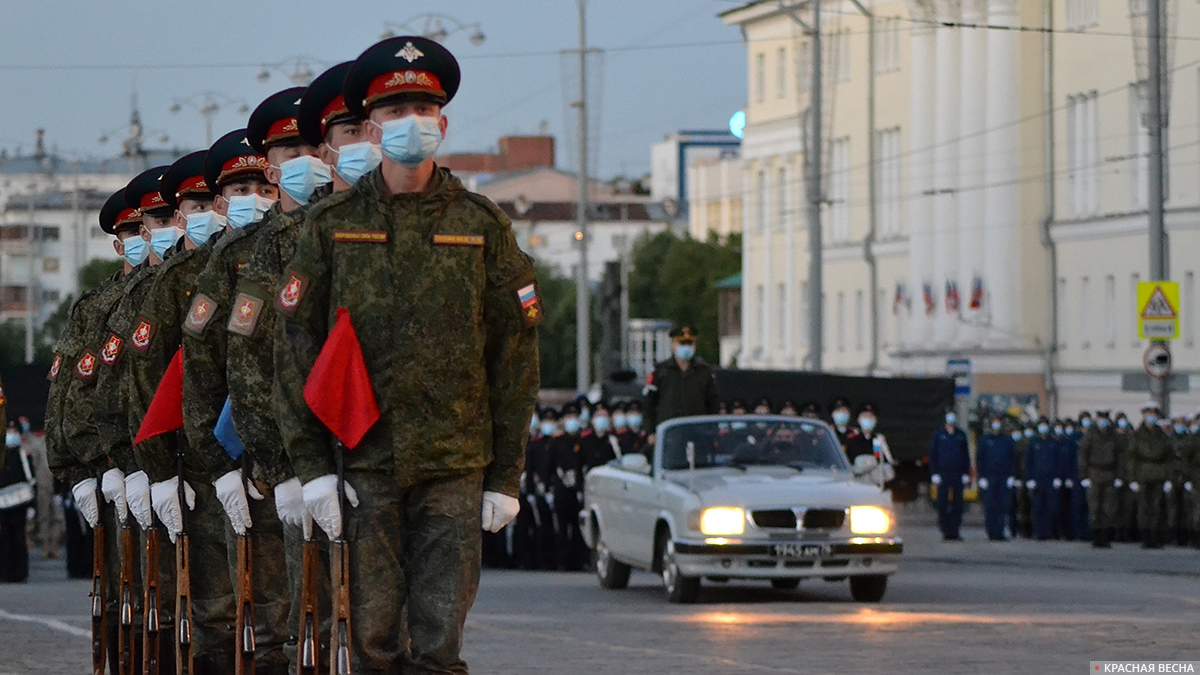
[950, 470]
[1041, 472]
[1073, 513]
[995, 462]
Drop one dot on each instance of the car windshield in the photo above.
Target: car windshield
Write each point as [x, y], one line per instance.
[741, 441]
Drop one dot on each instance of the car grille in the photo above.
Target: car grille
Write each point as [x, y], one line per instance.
[778, 518]
[824, 519]
[814, 519]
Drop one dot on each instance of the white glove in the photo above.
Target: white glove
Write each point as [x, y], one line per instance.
[984, 483]
[165, 498]
[233, 499]
[1085, 483]
[498, 510]
[966, 479]
[1069, 483]
[1188, 486]
[936, 479]
[1117, 482]
[1013, 482]
[85, 500]
[1167, 487]
[1057, 483]
[289, 502]
[137, 494]
[320, 496]
[1133, 487]
[112, 484]
[1031, 484]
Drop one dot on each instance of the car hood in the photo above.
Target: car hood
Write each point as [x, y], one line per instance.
[761, 487]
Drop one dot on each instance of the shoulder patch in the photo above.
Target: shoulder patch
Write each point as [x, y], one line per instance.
[200, 314]
[112, 349]
[86, 368]
[531, 305]
[292, 293]
[55, 367]
[458, 240]
[360, 236]
[244, 317]
[143, 334]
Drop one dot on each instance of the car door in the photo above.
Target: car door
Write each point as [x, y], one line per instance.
[640, 508]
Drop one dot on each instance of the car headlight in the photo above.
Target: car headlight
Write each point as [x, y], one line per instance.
[723, 520]
[869, 520]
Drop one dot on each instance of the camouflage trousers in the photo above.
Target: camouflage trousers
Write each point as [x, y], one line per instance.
[213, 604]
[1102, 499]
[1150, 515]
[1193, 511]
[268, 559]
[417, 551]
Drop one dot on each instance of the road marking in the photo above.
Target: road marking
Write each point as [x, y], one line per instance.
[55, 624]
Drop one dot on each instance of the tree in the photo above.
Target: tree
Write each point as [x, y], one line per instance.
[556, 334]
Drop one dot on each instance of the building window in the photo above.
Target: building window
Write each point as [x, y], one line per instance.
[1139, 145]
[1085, 313]
[50, 297]
[781, 73]
[1084, 13]
[803, 323]
[887, 181]
[887, 44]
[859, 320]
[760, 77]
[781, 316]
[760, 203]
[803, 67]
[839, 190]
[1063, 306]
[841, 321]
[50, 265]
[1083, 153]
[781, 199]
[841, 55]
[49, 233]
[1110, 311]
[1189, 309]
[760, 316]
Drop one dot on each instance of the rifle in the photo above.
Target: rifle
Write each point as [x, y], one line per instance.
[99, 639]
[183, 576]
[339, 560]
[151, 638]
[244, 636]
[310, 649]
[125, 635]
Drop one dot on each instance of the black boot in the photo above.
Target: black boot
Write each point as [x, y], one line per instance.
[1100, 538]
[111, 633]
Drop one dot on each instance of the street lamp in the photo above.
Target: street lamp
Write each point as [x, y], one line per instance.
[433, 26]
[208, 104]
[298, 69]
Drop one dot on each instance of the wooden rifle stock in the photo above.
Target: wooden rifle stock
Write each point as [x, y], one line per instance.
[183, 576]
[99, 638]
[125, 635]
[339, 560]
[151, 637]
[310, 649]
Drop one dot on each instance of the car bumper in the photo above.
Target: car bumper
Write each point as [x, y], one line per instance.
[762, 560]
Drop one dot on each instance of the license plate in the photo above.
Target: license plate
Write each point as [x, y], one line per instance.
[800, 550]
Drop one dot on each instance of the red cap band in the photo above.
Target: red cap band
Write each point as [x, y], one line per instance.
[128, 217]
[403, 82]
[242, 165]
[192, 185]
[152, 200]
[282, 129]
[335, 109]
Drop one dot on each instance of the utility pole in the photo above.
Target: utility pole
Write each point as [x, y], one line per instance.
[1159, 269]
[816, 296]
[29, 290]
[583, 326]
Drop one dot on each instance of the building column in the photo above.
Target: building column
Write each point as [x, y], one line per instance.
[1001, 241]
[947, 118]
[972, 166]
[920, 175]
[789, 280]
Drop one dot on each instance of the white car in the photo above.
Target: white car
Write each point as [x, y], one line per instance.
[741, 497]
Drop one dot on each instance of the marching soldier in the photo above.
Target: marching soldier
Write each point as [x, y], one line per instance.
[1150, 456]
[1099, 459]
[445, 307]
[681, 385]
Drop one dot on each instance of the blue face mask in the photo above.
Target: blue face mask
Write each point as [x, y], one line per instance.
[841, 418]
[1016, 435]
[600, 423]
[162, 239]
[357, 160]
[1123, 423]
[1029, 433]
[1043, 429]
[534, 423]
[136, 250]
[301, 176]
[635, 420]
[585, 415]
[1180, 429]
[620, 421]
[951, 419]
[548, 428]
[571, 426]
[247, 209]
[1102, 423]
[685, 352]
[202, 226]
[411, 140]
[1086, 423]
[1151, 420]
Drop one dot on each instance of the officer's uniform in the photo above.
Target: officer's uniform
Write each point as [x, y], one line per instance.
[1042, 471]
[1126, 520]
[1151, 459]
[1099, 457]
[1071, 522]
[950, 461]
[1022, 522]
[536, 519]
[672, 392]
[995, 459]
[444, 304]
[566, 487]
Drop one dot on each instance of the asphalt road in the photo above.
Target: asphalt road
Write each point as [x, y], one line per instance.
[971, 607]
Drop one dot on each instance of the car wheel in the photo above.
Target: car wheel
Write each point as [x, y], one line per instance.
[680, 589]
[785, 584]
[613, 574]
[868, 588]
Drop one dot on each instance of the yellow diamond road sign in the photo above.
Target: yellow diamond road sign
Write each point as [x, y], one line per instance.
[1158, 310]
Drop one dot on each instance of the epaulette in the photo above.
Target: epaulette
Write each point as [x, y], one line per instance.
[332, 201]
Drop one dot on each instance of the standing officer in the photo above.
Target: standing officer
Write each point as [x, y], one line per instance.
[950, 471]
[1099, 457]
[567, 483]
[16, 496]
[445, 306]
[1070, 501]
[995, 459]
[1041, 473]
[1126, 520]
[1151, 460]
[681, 385]
[841, 419]
[1175, 498]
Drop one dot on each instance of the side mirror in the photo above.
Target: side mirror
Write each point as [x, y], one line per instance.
[864, 464]
[635, 462]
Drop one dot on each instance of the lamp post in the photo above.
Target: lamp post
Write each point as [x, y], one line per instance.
[208, 104]
[434, 27]
[297, 69]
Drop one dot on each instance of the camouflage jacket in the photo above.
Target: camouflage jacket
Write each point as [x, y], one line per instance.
[250, 365]
[59, 453]
[1151, 455]
[1100, 455]
[445, 307]
[81, 401]
[204, 346]
[157, 334]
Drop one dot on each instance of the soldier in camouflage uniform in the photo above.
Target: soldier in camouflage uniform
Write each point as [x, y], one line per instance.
[1150, 458]
[1099, 457]
[83, 455]
[1191, 481]
[1126, 520]
[445, 306]
[1174, 496]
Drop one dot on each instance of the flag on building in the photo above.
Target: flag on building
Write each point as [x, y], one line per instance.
[930, 303]
[900, 299]
[976, 293]
[951, 297]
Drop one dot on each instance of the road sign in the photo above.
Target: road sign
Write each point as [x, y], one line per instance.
[1158, 310]
[1157, 361]
[960, 370]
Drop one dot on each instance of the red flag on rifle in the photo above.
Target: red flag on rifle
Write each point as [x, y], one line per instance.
[165, 413]
[338, 389]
